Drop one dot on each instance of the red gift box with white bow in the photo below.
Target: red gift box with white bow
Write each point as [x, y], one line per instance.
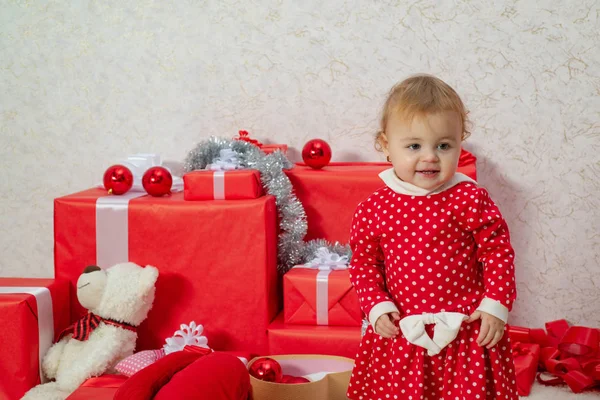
[320, 293]
[222, 185]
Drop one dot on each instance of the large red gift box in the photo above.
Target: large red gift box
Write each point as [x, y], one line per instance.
[310, 339]
[330, 195]
[222, 185]
[217, 260]
[32, 313]
[313, 299]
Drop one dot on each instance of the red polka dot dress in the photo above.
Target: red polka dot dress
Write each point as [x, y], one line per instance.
[430, 254]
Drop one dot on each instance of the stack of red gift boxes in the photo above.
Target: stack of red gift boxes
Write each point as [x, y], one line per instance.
[330, 196]
[215, 245]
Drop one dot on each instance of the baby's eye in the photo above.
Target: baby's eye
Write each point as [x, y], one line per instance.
[444, 146]
[414, 146]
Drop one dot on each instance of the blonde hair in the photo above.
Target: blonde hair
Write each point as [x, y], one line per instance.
[421, 94]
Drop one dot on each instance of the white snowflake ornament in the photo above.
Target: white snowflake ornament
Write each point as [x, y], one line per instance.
[187, 335]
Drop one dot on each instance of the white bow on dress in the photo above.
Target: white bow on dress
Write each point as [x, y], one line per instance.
[447, 325]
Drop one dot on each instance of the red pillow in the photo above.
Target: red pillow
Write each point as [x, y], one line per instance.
[217, 376]
[189, 375]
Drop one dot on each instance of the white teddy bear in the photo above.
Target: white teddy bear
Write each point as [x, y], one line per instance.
[118, 299]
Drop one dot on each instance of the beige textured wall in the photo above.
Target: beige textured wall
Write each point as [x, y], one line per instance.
[84, 83]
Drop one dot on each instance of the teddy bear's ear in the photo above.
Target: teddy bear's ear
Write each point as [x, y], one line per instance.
[91, 268]
[148, 277]
[147, 289]
[128, 293]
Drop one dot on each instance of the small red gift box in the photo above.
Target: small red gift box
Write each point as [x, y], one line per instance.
[32, 313]
[526, 357]
[222, 185]
[320, 297]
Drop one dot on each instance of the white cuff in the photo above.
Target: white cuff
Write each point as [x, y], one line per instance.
[494, 308]
[379, 309]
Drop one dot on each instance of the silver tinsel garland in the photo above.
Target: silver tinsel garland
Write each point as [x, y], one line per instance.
[292, 250]
[310, 248]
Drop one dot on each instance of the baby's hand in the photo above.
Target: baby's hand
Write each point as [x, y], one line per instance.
[385, 327]
[492, 328]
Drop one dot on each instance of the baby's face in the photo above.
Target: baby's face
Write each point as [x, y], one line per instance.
[424, 151]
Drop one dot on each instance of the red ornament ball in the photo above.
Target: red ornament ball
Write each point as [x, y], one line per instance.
[293, 379]
[266, 369]
[118, 179]
[157, 181]
[316, 153]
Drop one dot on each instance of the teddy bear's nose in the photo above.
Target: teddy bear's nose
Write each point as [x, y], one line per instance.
[91, 268]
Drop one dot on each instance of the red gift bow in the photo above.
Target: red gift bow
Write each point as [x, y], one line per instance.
[245, 136]
[519, 349]
[83, 328]
[571, 354]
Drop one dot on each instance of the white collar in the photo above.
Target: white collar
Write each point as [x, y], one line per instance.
[399, 186]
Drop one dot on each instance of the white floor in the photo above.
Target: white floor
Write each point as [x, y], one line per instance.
[539, 392]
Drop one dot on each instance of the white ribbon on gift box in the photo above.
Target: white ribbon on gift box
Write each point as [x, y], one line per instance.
[45, 317]
[227, 161]
[326, 262]
[112, 227]
[140, 163]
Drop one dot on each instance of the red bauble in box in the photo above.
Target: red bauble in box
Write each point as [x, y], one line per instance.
[316, 153]
[266, 369]
[293, 379]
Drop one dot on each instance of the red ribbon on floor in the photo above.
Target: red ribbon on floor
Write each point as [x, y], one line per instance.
[570, 354]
